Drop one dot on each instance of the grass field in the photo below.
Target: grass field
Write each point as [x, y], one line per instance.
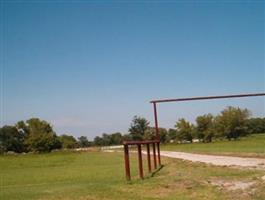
[251, 146]
[98, 175]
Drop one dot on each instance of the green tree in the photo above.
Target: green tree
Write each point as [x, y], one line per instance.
[255, 125]
[11, 139]
[106, 139]
[172, 134]
[116, 138]
[83, 142]
[68, 141]
[41, 137]
[231, 123]
[138, 128]
[98, 141]
[184, 130]
[150, 134]
[127, 137]
[204, 127]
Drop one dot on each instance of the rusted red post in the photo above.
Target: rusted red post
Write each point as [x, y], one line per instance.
[127, 162]
[148, 157]
[140, 159]
[156, 122]
[140, 162]
[154, 154]
[158, 153]
[157, 136]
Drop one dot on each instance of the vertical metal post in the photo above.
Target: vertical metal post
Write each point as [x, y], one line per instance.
[140, 162]
[157, 134]
[158, 153]
[127, 162]
[154, 154]
[156, 122]
[148, 158]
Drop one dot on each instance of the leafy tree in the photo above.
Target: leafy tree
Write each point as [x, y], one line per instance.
[138, 128]
[41, 137]
[98, 141]
[184, 130]
[127, 137]
[204, 128]
[231, 123]
[83, 142]
[22, 128]
[255, 125]
[172, 134]
[163, 133]
[115, 138]
[108, 139]
[11, 139]
[68, 141]
[150, 134]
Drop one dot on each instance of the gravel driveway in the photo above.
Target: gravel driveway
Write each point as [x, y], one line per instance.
[257, 163]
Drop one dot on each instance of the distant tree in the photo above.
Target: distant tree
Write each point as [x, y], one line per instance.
[83, 142]
[116, 138]
[163, 133]
[111, 139]
[184, 130]
[138, 128]
[11, 139]
[41, 137]
[127, 137]
[150, 134]
[231, 123]
[98, 141]
[205, 128]
[68, 141]
[106, 139]
[255, 125]
[172, 134]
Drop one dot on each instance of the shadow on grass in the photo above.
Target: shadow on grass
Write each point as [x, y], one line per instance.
[148, 176]
[156, 171]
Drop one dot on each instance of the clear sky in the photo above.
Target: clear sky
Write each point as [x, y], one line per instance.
[88, 67]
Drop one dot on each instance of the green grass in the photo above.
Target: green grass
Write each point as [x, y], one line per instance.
[252, 145]
[97, 175]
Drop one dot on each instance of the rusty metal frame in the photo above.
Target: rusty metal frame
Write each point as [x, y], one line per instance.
[155, 102]
[139, 145]
[156, 143]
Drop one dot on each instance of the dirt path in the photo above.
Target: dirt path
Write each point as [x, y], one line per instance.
[256, 163]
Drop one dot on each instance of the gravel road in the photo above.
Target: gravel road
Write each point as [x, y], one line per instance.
[256, 163]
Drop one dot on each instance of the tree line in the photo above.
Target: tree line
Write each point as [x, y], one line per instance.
[231, 123]
[35, 135]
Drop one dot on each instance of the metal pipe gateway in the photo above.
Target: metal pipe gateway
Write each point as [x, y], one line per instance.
[154, 102]
[156, 143]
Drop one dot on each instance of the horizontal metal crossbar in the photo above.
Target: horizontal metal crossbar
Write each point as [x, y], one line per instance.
[207, 97]
[140, 142]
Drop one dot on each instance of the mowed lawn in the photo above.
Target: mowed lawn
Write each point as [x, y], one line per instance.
[250, 146]
[98, 175]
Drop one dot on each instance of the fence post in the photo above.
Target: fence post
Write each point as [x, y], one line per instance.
[148, 158]
[154, 154]
[127, 162]
[158, 153]
[140, 162]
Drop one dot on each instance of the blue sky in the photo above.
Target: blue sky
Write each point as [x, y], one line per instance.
[88, 67]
